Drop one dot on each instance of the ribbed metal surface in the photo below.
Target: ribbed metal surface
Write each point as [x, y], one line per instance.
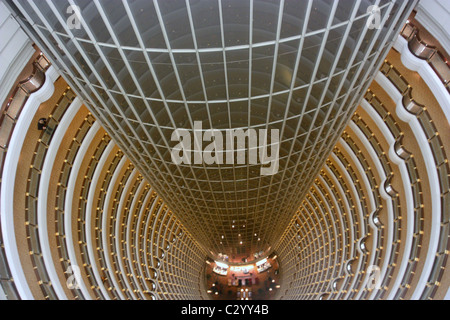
[146, 68]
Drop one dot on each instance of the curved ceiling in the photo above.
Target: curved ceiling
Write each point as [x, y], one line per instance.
[146, 68]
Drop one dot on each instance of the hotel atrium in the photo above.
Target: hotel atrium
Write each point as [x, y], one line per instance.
[354, 204]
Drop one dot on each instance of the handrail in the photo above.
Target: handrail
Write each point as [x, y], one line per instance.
[26, 87]
[438, 153]
[35, 171]
[424, 51]
[386, 166]
[410, 104]
[400, 150]
[59, 212]
[19, 97]
[404, 154]
[86, 259]
[34, 81]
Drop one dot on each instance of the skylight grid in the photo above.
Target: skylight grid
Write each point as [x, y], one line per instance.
[147, 68]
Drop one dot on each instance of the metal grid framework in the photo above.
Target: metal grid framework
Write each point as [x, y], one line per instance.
[145, 68]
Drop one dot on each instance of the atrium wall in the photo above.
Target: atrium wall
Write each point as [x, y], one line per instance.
[382, 199]
[78, 220]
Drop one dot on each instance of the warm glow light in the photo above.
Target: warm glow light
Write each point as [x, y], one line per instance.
[221, 265]
[261, 262]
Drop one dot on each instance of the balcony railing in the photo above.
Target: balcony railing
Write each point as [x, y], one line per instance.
[424, 51]
[17, 100]
[441, 163]
[8, 119]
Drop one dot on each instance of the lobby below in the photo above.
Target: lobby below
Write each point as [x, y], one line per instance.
[253, 281]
